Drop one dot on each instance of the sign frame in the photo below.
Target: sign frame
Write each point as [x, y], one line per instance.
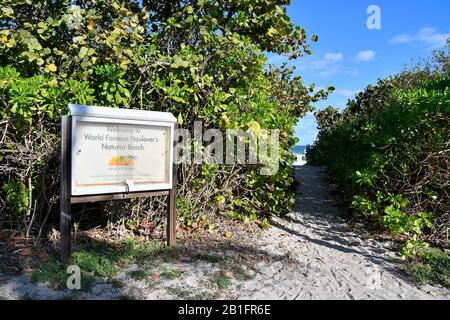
[67, 198]
[121, 188]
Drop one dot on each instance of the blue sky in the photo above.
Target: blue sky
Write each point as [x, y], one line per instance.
[349, 56]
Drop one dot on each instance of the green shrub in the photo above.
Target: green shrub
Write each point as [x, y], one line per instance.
[388, 151]
[17, 198]
[138, 274]
[432, 267]
[94, 262]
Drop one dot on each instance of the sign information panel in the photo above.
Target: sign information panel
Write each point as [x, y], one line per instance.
[114, 155]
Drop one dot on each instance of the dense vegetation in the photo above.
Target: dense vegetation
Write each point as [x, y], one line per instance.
[389, 152]
[199, 59]
[432, 266]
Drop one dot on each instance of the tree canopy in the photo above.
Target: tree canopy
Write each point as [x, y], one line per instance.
[199, 59]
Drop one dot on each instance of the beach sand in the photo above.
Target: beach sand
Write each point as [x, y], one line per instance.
[300, 160]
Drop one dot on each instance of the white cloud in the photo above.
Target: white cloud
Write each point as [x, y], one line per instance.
[325, 66]
[429, 36]
[333, 56]
[365, 56]
[402, 38]
[329, 73]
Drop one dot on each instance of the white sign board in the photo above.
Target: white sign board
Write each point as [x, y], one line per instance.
[120, 150]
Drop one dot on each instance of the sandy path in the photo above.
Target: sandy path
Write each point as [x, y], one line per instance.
[331, 261]
[310, 254]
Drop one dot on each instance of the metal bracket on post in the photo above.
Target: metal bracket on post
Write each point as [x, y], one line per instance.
[172, 204]
[65, 191]
[171, 212]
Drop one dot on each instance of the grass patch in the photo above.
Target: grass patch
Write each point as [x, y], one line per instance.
[94, 262]
[171, 274]
[212, 258]
[52, 272]
[100, 260]
[55, 274]
[240, 274]
[117, 284]
[432, 267]
[223, 282]
[138, 274]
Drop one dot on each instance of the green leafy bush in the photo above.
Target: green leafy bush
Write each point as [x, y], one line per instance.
[16, 198]
[201, 60]
[389, 150]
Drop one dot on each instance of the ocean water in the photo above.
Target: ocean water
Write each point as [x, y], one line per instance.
[299, 149]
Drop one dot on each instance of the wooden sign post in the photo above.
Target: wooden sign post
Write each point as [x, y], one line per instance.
[114, 154]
